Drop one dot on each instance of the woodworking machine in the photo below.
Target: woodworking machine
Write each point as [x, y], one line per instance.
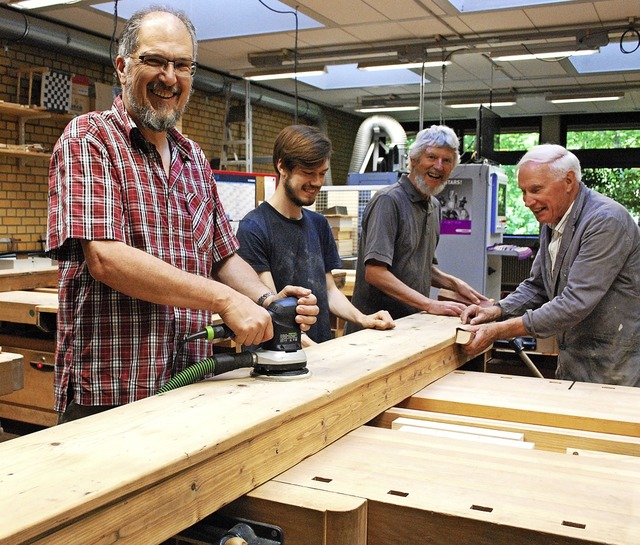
[280, 358]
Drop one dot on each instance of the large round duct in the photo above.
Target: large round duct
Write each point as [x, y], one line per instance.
[365, 136]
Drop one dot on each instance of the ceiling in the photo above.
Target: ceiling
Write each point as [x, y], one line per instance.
[350, 31]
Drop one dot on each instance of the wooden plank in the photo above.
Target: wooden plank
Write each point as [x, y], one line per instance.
[439, 490]
[306, 516]
[549, 438]
[464, 436]
[579, 406]
[458, 428]
[142, 472]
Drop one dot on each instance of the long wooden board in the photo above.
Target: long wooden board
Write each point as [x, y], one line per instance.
[561, 403]
[552, 438]
[447, 491]
[140, 473]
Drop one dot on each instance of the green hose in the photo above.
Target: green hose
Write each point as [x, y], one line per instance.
[190, 375]
[216, 365]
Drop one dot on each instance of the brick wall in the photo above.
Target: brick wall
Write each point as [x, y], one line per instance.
[23, 183]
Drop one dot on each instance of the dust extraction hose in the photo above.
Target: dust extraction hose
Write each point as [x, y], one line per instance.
[222, 363]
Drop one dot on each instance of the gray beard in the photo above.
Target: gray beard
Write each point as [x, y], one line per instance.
[426, 189]
[149, 118]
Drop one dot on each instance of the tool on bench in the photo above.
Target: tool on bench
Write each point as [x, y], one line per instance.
[280, 358]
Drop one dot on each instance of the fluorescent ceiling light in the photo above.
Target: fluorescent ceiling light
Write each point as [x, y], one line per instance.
[386, 65]
[610, 59]
[285, 73]
[35, 4]
[466, 6]
[347, 76]
[374, 109]
[558, 53]
[494, 104]
[583, 98]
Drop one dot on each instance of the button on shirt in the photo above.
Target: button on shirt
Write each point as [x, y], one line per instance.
[107, 183]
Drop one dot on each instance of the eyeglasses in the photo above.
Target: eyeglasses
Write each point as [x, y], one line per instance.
[182, 67]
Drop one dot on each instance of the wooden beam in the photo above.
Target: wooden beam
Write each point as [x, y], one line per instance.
[306, 515]
[561, 403]
[140, 473]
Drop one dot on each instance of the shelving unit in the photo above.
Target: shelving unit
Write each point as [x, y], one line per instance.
[23, 114]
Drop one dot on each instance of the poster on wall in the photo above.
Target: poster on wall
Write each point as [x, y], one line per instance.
[456, 205]
[238, 197]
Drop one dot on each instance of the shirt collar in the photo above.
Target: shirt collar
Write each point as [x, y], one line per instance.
[559, 228]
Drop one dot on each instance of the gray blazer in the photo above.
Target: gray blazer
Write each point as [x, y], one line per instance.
[591, 300]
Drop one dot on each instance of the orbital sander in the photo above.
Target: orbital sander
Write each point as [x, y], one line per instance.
[280, 358]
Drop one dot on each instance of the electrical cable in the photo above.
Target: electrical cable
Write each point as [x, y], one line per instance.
[295, 54]
[113, 33]
[623, 37]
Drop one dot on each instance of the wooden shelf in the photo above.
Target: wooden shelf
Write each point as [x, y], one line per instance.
[23, 154]
[20, 110]
[27, 113]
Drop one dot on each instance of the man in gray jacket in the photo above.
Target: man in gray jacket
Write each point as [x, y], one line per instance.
[585, 280]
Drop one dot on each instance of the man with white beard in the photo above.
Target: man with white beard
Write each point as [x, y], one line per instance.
[400, 231]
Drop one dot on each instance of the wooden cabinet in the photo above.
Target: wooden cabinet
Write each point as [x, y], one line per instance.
[34, 402]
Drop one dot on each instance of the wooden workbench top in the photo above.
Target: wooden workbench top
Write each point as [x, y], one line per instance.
[27, 274]
[426, 489]
[142, 472]
[551, 402]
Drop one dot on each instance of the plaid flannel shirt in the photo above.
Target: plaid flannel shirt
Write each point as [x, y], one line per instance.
[107, 183]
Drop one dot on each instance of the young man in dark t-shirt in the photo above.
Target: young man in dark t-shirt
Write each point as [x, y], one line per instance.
[284, 242]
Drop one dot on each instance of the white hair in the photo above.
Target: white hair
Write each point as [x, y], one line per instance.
[558, 159]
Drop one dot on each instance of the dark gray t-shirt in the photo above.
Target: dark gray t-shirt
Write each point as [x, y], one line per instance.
[400, 229]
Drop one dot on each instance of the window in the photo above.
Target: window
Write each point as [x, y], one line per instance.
[603, 139]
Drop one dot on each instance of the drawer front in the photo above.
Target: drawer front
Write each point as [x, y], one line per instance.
[34, 403]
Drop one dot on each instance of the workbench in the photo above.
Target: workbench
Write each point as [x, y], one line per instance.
[299, 455]
[28, 306]
[28, 273]
[143, 472]
[474, 458]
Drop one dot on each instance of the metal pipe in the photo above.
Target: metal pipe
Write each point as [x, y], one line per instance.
[20, 28]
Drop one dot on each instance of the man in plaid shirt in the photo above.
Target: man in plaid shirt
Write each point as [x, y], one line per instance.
[146, 254]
